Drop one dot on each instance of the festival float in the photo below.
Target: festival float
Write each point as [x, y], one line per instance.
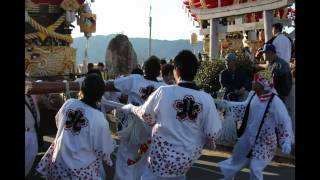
[228, 25]
[48, 54]
[48, 27]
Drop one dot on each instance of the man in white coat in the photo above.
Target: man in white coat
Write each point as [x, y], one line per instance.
[134, 135]
[267, 125]
[83, 143]
[183, 120]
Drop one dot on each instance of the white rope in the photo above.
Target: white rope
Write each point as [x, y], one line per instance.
[111, 103]
[228, 133]
[133, 130]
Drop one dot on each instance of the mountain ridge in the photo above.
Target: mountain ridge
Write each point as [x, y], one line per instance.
[97, 46]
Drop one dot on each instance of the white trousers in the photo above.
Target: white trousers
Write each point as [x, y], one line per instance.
[148, 175]
[31, 150]
[232, 165]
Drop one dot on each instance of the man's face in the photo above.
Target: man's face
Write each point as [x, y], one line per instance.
[230, 64]
[100, 68]
[269, 55]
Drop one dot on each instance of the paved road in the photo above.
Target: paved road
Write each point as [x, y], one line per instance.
[206, 168]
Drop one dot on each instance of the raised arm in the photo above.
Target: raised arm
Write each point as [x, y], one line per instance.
[236, 108]
[147, 111]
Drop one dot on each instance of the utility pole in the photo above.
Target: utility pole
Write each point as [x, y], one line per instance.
[150, 24]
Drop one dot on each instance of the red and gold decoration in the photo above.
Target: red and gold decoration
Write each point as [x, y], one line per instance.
[48, 35]
[88, 22]
[142, 150]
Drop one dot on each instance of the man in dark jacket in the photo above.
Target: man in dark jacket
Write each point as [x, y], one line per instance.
[280, 71]
[233, 79]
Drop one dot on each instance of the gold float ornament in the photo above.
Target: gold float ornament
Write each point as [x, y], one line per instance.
[43, 32]
[70, 5]
[52, 60]
[35, 58]
[87, 22]
[61, 60]
[43, 35]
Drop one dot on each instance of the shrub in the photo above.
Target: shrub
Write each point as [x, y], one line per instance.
[207, 77]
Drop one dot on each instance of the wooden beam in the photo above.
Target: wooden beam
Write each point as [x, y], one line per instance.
[243, 8]
[52, 87]
[245, 26]
[59, 87]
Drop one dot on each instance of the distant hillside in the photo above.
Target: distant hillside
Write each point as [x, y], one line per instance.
[162, 48]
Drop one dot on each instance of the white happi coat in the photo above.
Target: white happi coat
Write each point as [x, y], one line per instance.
[112, 96]
[277, 129]
[83, 142]
[183, 120]
[134, 132]
[31, 143]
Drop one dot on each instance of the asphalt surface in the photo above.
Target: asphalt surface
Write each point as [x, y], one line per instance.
[205, 168]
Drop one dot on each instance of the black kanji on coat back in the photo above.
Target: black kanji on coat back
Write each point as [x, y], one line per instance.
[187, 108]
[145, 92]
[75, 121]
